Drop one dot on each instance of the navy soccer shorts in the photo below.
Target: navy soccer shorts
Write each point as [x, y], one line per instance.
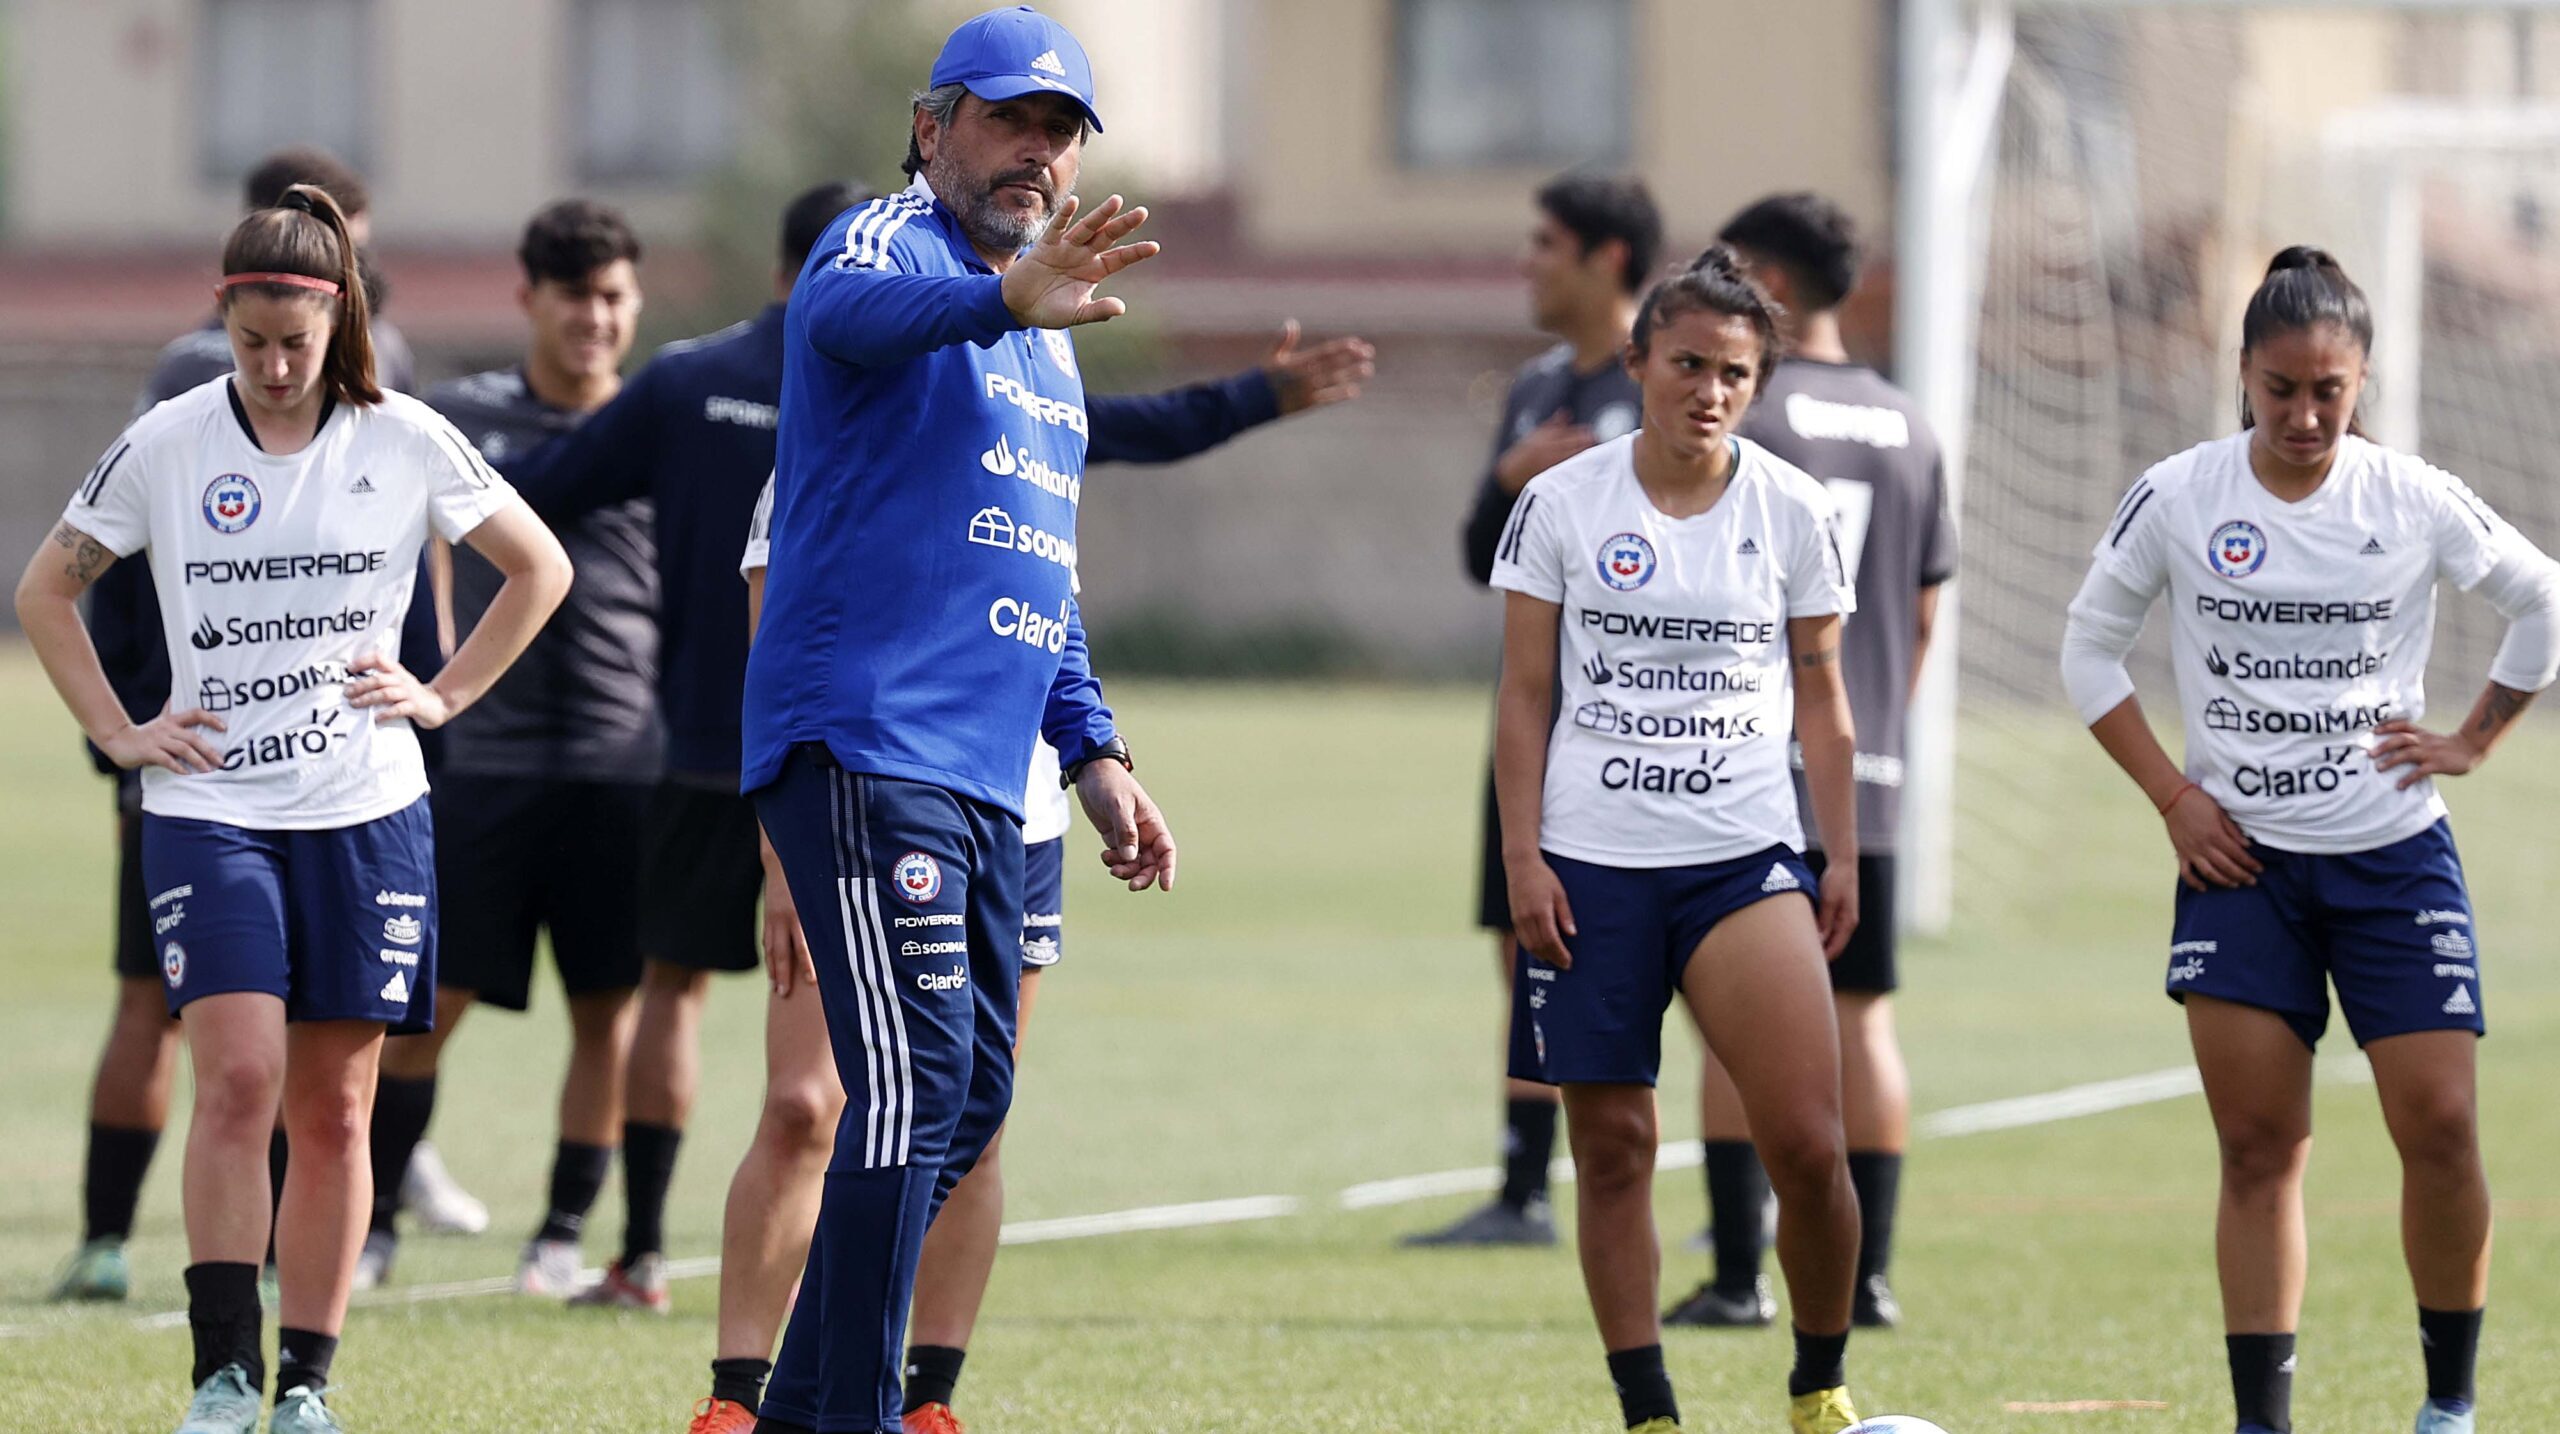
[340, 925]
[911, 896]
[1600, 1020]
[1044, 903]
[2390, 928]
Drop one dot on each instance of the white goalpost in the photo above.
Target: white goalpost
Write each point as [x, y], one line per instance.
[2087, 190]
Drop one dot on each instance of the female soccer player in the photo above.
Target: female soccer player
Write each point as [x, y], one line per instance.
[285, 836]
[2301, 564]
[1651, 842]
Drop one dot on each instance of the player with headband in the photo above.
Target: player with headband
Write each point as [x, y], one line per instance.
[286, 844]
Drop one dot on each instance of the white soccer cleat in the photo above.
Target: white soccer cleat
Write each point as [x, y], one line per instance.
[550, 1268]
[373, 1263]
[441, 1207]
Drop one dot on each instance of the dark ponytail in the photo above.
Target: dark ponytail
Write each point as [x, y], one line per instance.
[2305, 287]
[1715, 283]
[305, 235]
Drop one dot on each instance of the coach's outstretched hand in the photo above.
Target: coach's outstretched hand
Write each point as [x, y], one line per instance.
[1329, 372]
[1051, 285]
[1141, 845]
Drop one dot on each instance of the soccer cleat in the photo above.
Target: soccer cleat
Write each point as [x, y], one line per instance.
[1495, 1224]
[2444, 1416]
[1875, 1307]
[937, 1419]
[1824, 1411]
[550, 1267]
[1710, 1308]
[441, 1205]
[98, 1272]
[642, 1286]
[374, 1261]
[301, 1411]
[721, 1416]
[226, 1403]
[1657, 1425]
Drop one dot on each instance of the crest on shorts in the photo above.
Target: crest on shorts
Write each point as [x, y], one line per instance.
[2237, 549]
[918, 877]
[173, 964]
[1626, 562]
[231, 503]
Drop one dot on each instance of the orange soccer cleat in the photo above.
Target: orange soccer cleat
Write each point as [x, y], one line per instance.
[934, 1419]
[721, 1416]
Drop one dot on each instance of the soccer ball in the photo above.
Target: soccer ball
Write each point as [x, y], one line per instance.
[1894, 1424]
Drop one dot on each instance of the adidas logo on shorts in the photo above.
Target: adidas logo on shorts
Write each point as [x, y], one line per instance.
[1781, 879]
[2460, 1003]
[396, 989]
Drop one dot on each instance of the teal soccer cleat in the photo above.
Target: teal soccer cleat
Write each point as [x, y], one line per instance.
[98, 1272]
[226, 1403]
[302, 1412]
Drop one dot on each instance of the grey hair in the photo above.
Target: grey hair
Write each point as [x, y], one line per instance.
[941, 102]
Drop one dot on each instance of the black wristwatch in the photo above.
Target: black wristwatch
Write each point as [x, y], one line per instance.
[1115, 750]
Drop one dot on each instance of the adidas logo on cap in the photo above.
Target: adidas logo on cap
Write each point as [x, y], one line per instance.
[1050, 63]
[1781, 879]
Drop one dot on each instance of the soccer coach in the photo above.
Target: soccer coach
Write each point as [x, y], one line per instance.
[919, 631]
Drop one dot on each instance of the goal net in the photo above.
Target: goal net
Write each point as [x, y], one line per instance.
[2146, 161]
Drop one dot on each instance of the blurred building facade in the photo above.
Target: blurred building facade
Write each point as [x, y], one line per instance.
[1360, 165]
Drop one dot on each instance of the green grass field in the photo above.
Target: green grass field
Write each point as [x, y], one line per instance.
[1311, 1011]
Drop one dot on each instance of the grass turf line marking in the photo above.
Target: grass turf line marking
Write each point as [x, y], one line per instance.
[2068, 1103]
[2081, 1406]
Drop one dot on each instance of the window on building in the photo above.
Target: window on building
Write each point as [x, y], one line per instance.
[276, 72]
[651, 89]
[1514, 82]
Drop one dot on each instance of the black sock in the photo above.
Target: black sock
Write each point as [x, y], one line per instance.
[224, 1317]
[933, 1371]
[302, 1360]
[277, 1156]
[577, 1176]
[1528, 1148]
[1877, 1175]
[1821, 1363]
[1644, 1386]
[111, 1181]
[2452, 1340]
[767, 1424]
[741, 1381]
[401, 1112]
[1737, 1191]
[2262, 1379]
[648, 1168]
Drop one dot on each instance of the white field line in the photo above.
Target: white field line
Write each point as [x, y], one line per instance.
[2069, 1103]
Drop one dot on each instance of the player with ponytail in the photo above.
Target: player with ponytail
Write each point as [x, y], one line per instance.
[2301, 564]
[286, 840]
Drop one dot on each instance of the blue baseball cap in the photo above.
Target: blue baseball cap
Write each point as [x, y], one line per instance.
[1006, 54]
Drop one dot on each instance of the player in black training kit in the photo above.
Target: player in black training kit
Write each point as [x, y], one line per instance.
[1841, 422]
[546, 782]
[129, 1101]
[1593, 246]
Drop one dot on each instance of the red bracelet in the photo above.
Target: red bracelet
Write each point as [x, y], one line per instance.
[2174, 796]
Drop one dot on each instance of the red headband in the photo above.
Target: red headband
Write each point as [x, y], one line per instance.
[290, 281]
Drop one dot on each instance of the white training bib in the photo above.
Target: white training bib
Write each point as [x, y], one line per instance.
[275, 574]
[2296, 628]
[1670, 748]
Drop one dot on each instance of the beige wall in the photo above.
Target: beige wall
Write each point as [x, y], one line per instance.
[468, 138]
[1735, 98]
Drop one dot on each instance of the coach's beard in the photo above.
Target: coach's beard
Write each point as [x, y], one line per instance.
[990, 222]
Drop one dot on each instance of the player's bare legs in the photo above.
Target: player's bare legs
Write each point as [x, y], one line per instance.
[2257, 1082]
[1612, 1132]
[1761, 971]
[773, 1199]
[140, 1061]
[328, 1187]
[236, 1047]
[2430, 1101]
[663, 1071]
[128, 1108]
[600, 1025]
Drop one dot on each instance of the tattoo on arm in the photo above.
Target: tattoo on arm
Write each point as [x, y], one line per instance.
[1818, 657]
[2498, 707]
[88, 559]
